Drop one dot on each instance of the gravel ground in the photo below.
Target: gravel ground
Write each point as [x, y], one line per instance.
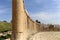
[46, 36]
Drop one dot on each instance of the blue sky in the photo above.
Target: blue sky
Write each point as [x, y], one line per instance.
[5, 10]
[46, 11]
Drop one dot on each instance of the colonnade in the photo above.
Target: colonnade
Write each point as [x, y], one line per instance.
[22, 24]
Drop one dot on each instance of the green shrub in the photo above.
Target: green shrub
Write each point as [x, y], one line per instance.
[5, 37]
[4, 26]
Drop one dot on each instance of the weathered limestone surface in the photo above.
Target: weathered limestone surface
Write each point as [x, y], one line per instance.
[19, 20]
[46, 36]
[22, 24]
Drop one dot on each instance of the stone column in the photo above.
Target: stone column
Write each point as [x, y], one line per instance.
[18, 20]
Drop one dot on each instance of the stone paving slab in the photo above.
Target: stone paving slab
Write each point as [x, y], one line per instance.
[46, 36]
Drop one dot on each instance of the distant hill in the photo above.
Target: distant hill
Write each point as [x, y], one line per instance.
[5, 26]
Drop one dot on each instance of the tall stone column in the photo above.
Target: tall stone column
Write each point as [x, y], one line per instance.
[18, 20]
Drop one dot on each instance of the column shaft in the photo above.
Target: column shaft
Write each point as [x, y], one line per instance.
[18, 19]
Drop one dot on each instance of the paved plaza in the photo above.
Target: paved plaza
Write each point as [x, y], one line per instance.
[46, 36]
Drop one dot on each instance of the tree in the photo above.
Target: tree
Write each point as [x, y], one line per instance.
[51, 26]
[11, 21]
[38, 21]
[5, 21]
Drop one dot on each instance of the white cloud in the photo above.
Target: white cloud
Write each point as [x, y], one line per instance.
[46, 16]
[3, 10]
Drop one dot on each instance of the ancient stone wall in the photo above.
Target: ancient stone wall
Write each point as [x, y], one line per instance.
[22, 24]
[32, 25]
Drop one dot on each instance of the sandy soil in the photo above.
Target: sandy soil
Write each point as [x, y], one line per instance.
[46, 36]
